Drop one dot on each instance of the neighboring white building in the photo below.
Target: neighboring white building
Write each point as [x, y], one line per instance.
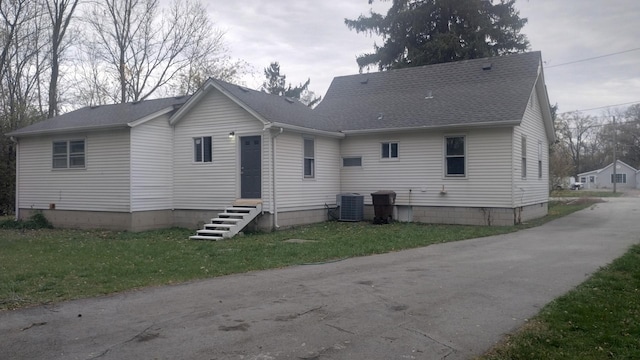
[460, 143]
[626, 175]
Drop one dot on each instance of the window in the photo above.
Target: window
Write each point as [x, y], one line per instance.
[202, 149]
[309, 158]
[583, 180]
[352, 161]
[539, 159]
[68, 154]
[389, 150]
[592, 179]
[620, 178]
[524, 157]
[455, 156]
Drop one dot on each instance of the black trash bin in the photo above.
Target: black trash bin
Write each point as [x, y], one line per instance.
[383, 202]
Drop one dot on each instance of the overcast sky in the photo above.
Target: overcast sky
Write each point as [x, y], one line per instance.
[310, 40]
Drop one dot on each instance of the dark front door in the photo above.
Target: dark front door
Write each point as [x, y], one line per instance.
[250, 167]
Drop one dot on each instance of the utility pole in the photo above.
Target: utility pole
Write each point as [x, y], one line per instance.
[615, 157]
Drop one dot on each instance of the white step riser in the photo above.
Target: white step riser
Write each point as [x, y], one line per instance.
[197, 237]
[228, 224]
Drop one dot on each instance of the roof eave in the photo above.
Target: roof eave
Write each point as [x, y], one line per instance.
[305, 130]
[150, 117]
[434, 127]
[17, 134]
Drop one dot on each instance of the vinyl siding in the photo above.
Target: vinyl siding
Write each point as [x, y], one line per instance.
[294, 192]
[102, 186]
[417, 176]
[533, 189]
[151, 165]
[603, 178]
[214, 185]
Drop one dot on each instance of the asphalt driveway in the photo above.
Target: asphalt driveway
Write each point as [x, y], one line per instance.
[452, 301]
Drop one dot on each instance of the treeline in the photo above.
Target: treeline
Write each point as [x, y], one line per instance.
[58, 55]
[586, 142]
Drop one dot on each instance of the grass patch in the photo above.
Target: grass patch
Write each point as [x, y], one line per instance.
[51, 265]
[600, 319]
[585, 193]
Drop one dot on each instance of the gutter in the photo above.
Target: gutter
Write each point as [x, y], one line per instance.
[17, 199]
[302, 129]
[68, 130]
[493, 124]
[274, 152]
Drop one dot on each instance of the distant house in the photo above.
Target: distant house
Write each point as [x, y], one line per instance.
[626, 177]
[460, 143]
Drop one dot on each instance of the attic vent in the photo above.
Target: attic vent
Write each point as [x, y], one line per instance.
[244, 89]
[365, 81]
[486, 66]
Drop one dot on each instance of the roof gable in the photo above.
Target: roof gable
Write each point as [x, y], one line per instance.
[598, 171]
[268, 108]
[489, 91]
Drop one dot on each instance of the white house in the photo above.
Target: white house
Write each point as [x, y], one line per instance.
[626, 177]
[461, 143]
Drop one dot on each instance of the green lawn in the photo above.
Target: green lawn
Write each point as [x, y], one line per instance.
[600, 319]
[51, 265]
[585, 193]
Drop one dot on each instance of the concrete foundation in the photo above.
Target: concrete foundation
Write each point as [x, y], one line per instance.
[194, 219]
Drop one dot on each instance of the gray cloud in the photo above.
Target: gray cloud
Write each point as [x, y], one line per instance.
[309, 39]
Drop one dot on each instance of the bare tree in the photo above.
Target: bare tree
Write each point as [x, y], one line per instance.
[147, 47]
[576, 131]
[60, 13]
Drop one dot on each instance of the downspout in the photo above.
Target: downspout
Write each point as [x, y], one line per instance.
[17, 214]
[274, 153]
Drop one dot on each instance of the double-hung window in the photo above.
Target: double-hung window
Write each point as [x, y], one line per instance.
[309, 158]
[524, 157]
[539, 159]
[202, 149]
[455, 156]
[619, 178]
[68, 154]
[389, 150]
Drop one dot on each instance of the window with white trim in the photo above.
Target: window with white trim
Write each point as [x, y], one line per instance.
[68, 154]
[620, 178]
[309, 158]
[539, 159]
[455, 156]
[592, 179]
[202, 149]
[389, 150]
[524, 157]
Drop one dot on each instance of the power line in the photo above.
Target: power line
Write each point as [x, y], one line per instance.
[592, 58]
[601, 107]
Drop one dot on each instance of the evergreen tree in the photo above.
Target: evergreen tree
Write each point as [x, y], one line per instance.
[276, 83]
[423, 32]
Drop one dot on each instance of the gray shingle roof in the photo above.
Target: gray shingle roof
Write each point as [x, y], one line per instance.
[104, 116]
[279, 109]
[457, 93]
